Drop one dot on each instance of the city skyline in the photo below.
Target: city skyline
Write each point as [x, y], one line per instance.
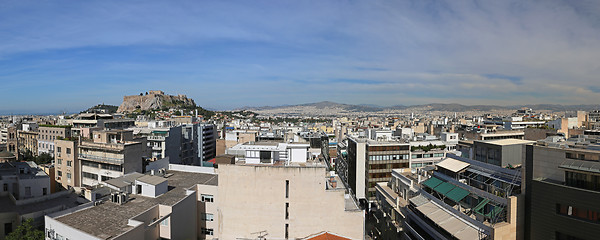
[71, 56]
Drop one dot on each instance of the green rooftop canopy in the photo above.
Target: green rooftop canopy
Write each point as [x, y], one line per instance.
[481, 205]
[457, 194]
[494, 212]
[432, 182]
[444, 188]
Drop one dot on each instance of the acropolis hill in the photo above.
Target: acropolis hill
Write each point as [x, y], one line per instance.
[153, 99]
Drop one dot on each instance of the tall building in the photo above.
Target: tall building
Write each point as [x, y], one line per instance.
[371, 161]
[207, 142]
[563, 188]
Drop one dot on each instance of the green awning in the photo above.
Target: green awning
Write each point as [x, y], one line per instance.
[457, 194]
[432, 182]
[481, 205]
[444, 188]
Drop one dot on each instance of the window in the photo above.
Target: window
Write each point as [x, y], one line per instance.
[68, 175]
[68, 150]
[207, 198]
[89, 164]
[90, 175]
[165, 222]
[117, 168]
[287, 188]
[579, 213]
[265, 156]
[7, 228]
[59, 161]
[5, 187]
[209, 217]
[106, 178]
[58, 149]
[60, 173]
[287, 210]
[207, 231]
[69, 163]
[287, 229]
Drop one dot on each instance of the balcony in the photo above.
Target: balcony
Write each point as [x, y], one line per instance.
[96, 158]
[156, 138]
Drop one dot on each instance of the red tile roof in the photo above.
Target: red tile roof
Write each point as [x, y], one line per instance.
[326, 236]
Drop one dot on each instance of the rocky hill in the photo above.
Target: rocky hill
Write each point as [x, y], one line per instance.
[154, 100]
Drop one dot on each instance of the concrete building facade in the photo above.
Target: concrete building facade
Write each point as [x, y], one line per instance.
[49, 133]
[67, 165]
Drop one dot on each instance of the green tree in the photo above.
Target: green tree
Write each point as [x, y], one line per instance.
[26, 231]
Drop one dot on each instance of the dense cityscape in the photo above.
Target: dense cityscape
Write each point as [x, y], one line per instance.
[305, 120]
[159, 166]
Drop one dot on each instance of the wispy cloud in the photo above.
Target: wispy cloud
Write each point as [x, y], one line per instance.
[75, 54]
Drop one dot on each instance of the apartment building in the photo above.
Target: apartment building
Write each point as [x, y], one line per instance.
[110, 154]
[503, 152]
[207, 142]
[177, 142]
[371, 161]
[563, 188]
[67, 165]
[28, 141]
[461, 199]
[49, 133]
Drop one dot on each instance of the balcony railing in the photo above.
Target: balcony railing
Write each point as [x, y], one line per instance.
[117, 161]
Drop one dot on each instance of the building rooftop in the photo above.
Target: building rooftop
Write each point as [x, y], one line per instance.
[505, 142]
[66, 201]
[110, 219]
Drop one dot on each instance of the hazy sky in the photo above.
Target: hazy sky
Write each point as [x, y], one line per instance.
[70, 55]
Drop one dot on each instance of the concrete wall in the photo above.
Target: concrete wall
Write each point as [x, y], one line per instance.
[253, 199]
[183, 220]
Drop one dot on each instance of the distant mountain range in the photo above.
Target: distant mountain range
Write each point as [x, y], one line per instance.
[443, 107]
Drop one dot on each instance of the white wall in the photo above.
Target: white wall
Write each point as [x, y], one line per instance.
[64, 230]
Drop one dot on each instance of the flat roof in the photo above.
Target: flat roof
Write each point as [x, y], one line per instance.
[109, 219]
[66, 201]
[453, 164]
[152, 180]
[504, 142]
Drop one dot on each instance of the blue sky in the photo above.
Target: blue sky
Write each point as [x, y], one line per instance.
[69, 55]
